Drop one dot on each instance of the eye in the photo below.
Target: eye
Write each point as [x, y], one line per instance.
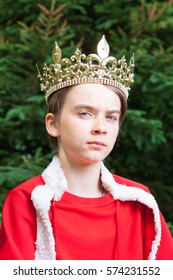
[112, 118]
[84, 114]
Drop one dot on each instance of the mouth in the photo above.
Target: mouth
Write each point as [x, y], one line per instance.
[97, 143]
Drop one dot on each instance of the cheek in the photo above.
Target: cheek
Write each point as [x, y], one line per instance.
[113, 137]
[75, 127]
[72, 131]
[115, 131]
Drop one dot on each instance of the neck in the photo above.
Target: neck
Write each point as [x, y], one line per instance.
[83, 180]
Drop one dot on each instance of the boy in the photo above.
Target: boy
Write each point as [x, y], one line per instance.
[77, 209]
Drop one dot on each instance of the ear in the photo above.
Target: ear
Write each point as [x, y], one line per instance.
[51, 125]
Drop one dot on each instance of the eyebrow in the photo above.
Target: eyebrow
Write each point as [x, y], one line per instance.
[89, 107]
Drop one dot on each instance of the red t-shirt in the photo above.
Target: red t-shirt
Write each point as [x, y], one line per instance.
[101, 228]
[85, 228]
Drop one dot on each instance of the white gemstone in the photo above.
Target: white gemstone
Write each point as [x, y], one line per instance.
[56, 68]
[103, 48]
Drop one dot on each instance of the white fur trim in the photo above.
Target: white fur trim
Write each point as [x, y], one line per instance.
[122, 193]
[56, 185]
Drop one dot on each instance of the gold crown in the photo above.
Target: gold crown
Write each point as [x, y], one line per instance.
[82, 69]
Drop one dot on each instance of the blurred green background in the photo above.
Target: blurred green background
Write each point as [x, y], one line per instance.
[28, 30]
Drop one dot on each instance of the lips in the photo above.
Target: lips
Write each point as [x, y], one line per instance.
[97, 143]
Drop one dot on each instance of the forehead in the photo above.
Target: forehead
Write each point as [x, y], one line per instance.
[93, 94]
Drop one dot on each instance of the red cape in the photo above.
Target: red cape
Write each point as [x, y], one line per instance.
[19, 229]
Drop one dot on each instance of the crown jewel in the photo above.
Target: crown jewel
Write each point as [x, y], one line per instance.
[81, 69]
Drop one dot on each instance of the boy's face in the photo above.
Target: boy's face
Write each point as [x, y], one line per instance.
[89, 124]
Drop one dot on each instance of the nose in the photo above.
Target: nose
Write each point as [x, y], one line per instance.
[99, 127]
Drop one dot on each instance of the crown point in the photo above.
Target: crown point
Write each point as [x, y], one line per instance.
[132, 63]
[103, 48]
[39, 75]
[56, 54]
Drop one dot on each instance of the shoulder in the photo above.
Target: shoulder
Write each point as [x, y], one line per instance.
[26, 187]
[18, 200]
[129, 183]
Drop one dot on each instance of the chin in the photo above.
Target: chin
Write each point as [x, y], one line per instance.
[95, 159]
[98, 156]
